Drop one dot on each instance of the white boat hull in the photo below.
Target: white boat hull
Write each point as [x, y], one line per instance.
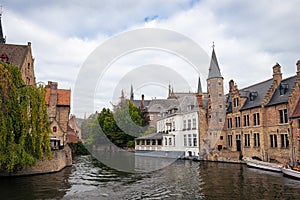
[263, 165]
[291, 173]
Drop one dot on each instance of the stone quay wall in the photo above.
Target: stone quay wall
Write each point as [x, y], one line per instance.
[60, 159]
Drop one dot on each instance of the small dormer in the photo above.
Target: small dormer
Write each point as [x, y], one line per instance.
[283, 88]
[253, 95]
[191, 107]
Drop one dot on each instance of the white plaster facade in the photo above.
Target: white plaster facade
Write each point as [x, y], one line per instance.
[180, 130]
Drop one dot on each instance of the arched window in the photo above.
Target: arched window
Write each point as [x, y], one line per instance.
[54, 129]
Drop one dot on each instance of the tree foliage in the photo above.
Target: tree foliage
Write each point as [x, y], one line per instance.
[24, 125]
[120, 126]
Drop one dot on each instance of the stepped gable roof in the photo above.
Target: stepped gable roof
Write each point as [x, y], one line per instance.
[282, 92]
[153, 136]
[214, 70]
[15, 53]
[229, 102]
[296, 112]
[63, 97]
[255, 94]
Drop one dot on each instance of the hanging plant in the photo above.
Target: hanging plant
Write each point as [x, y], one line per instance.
[24, 125]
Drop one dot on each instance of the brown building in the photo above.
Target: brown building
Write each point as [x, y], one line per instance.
[18, 55]
[258, 117]
[58, 107]
[74, 131]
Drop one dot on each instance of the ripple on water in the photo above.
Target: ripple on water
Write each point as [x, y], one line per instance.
[181, 180]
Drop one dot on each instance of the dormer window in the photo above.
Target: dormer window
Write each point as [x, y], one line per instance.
[191, 107]
[253, 95]
[4, 57]
[283, 87]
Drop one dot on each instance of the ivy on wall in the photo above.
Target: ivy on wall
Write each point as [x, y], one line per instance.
[24, 125]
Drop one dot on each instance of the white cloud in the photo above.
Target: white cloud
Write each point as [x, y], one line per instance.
[250, 37]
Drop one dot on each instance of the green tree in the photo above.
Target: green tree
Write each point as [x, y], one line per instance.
[24, 125]
[122, 125]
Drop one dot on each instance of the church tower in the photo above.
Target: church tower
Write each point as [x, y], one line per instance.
[216, 102]
[2, 38]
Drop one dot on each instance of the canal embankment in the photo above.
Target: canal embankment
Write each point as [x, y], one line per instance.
[59, 160]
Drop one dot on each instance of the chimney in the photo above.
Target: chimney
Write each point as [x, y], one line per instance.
[231, 85]
[143, 102]
[277, 75]
[199, 100]
[53, 98]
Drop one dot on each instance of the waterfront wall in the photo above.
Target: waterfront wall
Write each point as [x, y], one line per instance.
[224, 156]
[60, 159]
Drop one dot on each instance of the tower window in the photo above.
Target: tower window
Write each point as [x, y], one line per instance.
[235, 102]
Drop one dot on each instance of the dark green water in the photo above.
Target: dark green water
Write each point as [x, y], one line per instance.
[89, 179]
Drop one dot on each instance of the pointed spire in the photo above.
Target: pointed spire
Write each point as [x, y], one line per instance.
[2, 39]
[131, 93]
[169, 93]
[214, 70]
[199, 90]
[122, 96]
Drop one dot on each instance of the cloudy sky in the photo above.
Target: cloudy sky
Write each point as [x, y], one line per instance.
[249, 37]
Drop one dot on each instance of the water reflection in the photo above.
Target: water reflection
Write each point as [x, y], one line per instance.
[54, 185]
[89, 179]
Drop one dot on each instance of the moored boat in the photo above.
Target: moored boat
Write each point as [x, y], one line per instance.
[291, 172]
[275, 167]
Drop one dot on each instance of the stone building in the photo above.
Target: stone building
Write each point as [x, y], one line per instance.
[18, 55]
[215, 103]
[178, 124]
[258, 117]
[58, 107]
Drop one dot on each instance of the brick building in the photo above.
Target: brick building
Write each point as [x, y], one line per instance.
[258, 117]
[58, 107]
[19, 56]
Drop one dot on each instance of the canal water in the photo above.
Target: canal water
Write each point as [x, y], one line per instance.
[89, 179]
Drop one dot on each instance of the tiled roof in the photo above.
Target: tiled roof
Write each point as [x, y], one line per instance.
[158, 105]
[153, 136]
[257, 91]
[63, 97]
[285, 87]
[71, 137]
[15, 53]
[214, 70]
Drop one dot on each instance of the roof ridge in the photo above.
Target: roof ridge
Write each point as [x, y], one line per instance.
[289, 78]
[256, 84]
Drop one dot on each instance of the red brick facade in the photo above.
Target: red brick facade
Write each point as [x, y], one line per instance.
[58, 107]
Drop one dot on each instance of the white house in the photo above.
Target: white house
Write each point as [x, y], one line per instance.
[179, 126]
